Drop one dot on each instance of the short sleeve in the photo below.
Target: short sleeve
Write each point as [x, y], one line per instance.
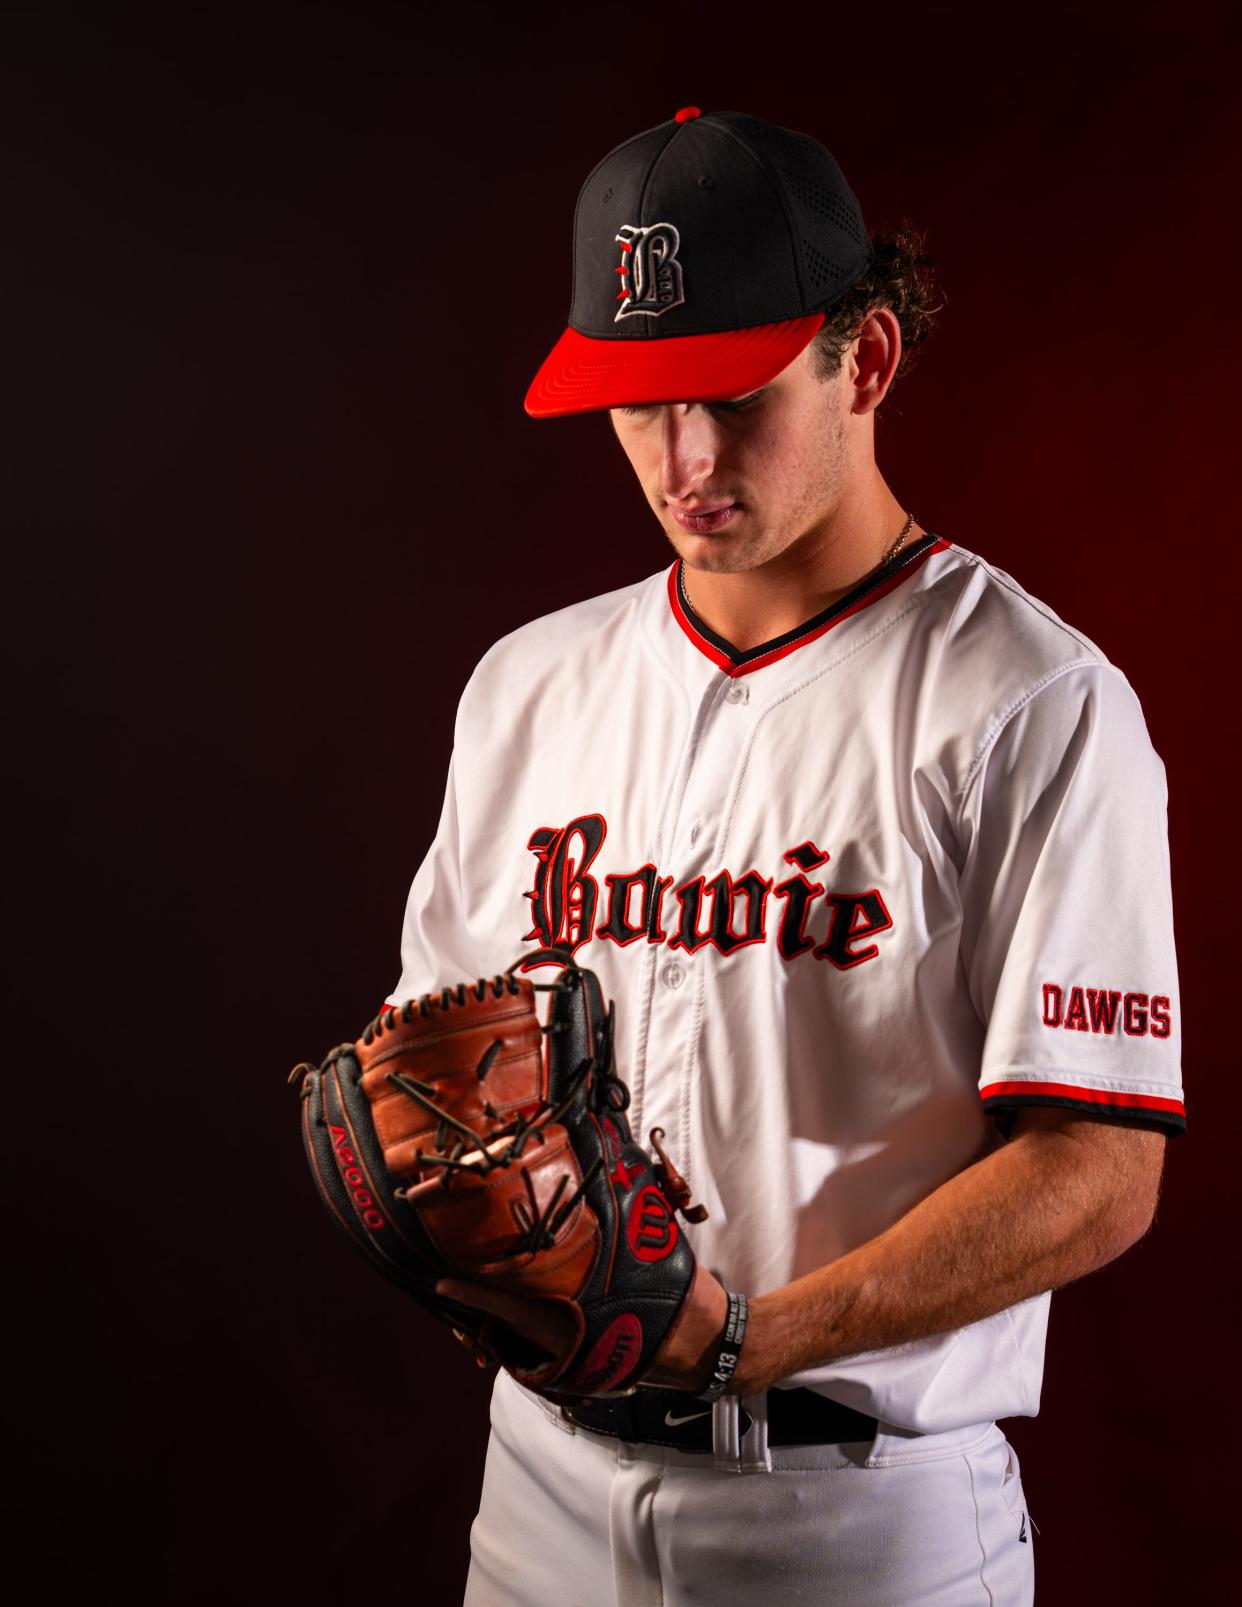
[435, 942]
[1067, 908]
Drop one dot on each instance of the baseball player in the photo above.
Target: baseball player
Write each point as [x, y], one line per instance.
[869, 848]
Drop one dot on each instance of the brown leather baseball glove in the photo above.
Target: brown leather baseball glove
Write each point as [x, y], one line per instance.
[462, 1138]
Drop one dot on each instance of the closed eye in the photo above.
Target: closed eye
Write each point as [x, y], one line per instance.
[736, 404]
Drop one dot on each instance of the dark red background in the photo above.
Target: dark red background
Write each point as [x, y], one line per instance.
[272, 290]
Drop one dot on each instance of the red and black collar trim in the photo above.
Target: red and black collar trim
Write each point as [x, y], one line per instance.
[733, 662]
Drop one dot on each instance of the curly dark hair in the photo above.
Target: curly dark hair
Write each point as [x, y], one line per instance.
[901, 276]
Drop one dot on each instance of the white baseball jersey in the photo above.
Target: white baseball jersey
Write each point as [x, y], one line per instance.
[853, 891]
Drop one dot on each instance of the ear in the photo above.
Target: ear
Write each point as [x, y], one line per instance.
[873, 359]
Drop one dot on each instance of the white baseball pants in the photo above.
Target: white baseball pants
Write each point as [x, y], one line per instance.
[569, 1518]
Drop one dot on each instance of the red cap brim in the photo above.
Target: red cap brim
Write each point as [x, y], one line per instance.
[581, 375]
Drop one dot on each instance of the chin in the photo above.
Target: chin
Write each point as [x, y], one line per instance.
[728, 553]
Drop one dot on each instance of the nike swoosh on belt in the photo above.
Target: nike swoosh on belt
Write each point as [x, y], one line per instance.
[674, 1421]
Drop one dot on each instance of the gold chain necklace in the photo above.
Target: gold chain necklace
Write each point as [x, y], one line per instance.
[897, 545]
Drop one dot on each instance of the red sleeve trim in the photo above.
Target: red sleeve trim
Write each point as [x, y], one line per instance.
[1009, 1091]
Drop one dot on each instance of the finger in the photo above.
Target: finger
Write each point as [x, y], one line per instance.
[542, 1321]
[509, 1308]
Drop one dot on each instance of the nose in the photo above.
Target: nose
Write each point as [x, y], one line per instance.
[688, 450]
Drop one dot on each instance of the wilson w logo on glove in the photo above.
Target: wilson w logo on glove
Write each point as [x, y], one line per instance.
[461, 1137]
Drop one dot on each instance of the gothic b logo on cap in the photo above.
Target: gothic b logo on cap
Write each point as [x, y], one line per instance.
[650, 272]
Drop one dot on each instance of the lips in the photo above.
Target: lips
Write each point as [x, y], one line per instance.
[705, 518]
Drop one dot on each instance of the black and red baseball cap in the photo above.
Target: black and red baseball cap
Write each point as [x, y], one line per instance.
[706, 252]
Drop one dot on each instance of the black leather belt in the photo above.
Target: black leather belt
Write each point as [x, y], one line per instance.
[666, 1417]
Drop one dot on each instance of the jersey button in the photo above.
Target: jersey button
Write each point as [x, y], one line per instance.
[695, 829]
[738, 692]
[673, 975]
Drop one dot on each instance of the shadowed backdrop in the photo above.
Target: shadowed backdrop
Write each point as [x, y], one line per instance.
[273, 285]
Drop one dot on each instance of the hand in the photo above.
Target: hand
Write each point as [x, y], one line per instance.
[686, 1358]
[683, 1362]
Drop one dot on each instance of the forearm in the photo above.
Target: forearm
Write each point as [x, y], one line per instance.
[1041, 1211]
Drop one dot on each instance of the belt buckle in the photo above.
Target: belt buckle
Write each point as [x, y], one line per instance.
[567, 1411]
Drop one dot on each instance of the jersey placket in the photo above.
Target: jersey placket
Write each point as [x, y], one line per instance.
[690, 846]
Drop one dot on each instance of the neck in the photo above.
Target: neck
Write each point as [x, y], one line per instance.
[752, 606]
